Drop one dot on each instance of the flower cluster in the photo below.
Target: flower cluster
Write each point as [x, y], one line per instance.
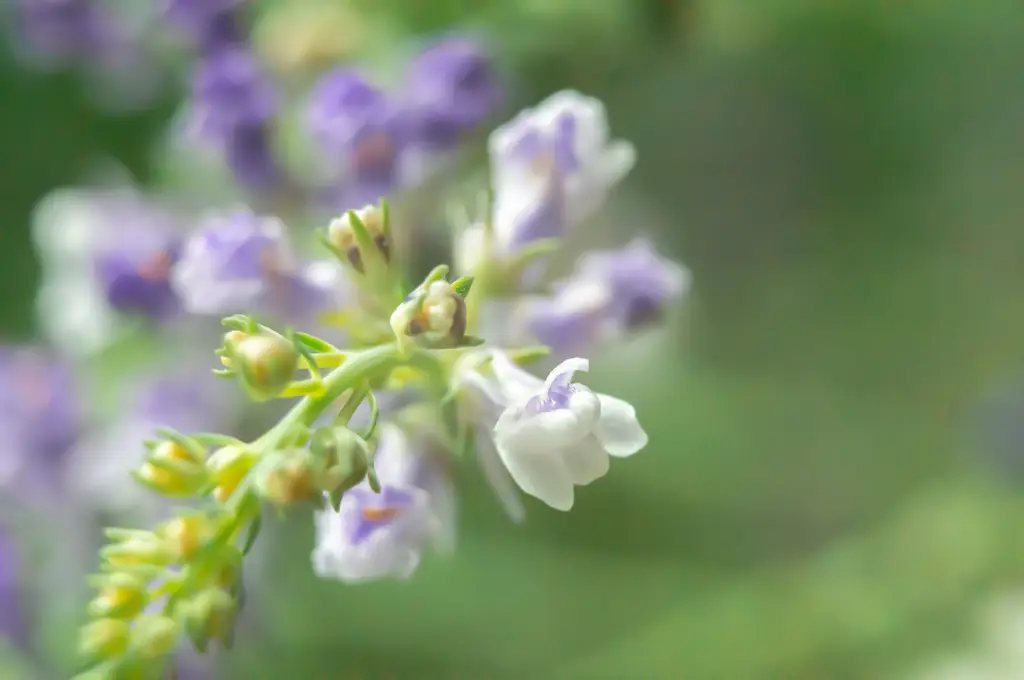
[433, 370]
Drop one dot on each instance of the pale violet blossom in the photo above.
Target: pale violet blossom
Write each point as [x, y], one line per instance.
[610, 294]
[380, 535]
[553, 435]
[552, 166]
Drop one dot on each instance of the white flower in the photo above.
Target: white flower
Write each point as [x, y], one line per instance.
[552, 166]
[554, 434]
[373, 535]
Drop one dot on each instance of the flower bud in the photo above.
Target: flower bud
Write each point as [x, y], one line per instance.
[154, 636]
[174, 468]
[266, 364]
[121, 596]
[291, 480]
[341, 233]
[227, 467]
[210, 616]
[344, 456]
[231, 341]
[441, 318]
[141, 549]
[184, 536]
[104, 639]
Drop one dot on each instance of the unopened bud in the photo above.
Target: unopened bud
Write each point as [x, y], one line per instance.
[440, 320]
[227, 467]
[184, 536]
[210, 616]
[231, 341]
[174, 468]
[121, 596]
[266, 363]
[292, 480]
[344, 457]
[154, 636]
[341, 233]
[142, 549]
[104, 639]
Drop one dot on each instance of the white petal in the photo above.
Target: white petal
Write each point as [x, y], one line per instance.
[569, 366]
[516, 383]
[555, 429]
[618, 429]
[394, 460]
[586, 462]
[498, 477]
[541, 474]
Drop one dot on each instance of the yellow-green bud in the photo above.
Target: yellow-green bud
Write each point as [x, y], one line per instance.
[154, 636]
[104, 639]
[344, 458]
[292, 480]
[184, 536]
[341, 235]
[227, 467]
[266, 364]
[231, 341]
[173, 469]
[141, 549]
[121, 596]
[440, 320]
[210, 616]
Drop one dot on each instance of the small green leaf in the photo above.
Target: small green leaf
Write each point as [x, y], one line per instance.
[252, 534]
[463, 285]
[471, 341]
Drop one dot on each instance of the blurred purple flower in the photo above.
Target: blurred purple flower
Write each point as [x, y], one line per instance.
[209, 24]
[40, 417]
[234, 106]
[13, 622]
[449, 90]
[610, 293]
[380, 535]
[243, 263]
[70, 31]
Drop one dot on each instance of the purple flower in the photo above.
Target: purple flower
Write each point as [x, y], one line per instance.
[209, 24]
[450, 89]
[71, 30]
[230, 89]
[40, 417]
[375, 536]
[13, 622]
[611, 293]
[243, 263]
[361, 133]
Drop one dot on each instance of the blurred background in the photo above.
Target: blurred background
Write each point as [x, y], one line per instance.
[833, 484]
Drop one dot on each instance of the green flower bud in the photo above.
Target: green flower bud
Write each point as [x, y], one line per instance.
[440, 320]
[210, 616]
[266, 364]
[292, 479]
[231, 341]
[121, 596]
[227, 467]
[104, 639]
[353, 232]
[344, 456]
[174, 469]
[141, 549]
[154, 636]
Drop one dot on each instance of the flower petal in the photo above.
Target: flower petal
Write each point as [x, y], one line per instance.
[523, 429]
[516, 383]
[587, 461]
[563, 372]
[498, 477]
[541, 474]
[618, 429]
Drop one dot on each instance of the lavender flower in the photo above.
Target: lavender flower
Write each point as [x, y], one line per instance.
[375, 535]
[209, 24]
[361, 133]
[69, 31]
[40, 418]
[103, 253]
[13, 624]
[449, 90]
[234, 105]
[611, 293]
[551, 167]
[243, 263]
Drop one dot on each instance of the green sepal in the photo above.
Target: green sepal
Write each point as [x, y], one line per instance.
[471, 341]
[335, 499]
[463, 285]
[314, 343]
[438, 273]
[252, 533]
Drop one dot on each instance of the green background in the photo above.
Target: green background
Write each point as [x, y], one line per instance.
[846, 181]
